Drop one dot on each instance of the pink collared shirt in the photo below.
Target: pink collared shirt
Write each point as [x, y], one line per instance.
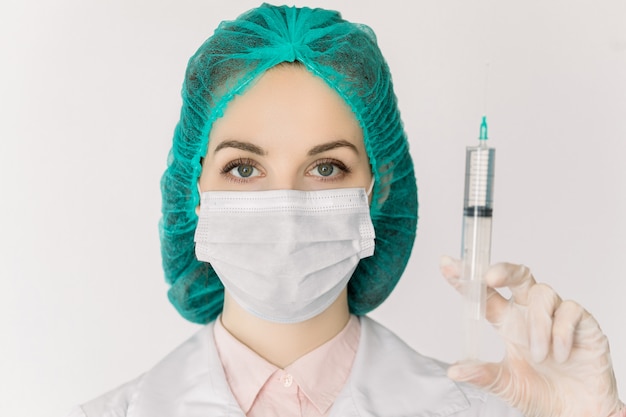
[308, 387]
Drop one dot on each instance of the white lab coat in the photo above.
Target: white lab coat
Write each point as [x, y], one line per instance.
[388, 379]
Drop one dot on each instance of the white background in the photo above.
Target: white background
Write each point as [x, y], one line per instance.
[90, 95]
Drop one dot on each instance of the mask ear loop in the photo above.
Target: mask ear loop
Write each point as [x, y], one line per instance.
[199, 198]
[371, 187]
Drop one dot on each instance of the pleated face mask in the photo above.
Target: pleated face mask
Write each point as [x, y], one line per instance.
[284, 255]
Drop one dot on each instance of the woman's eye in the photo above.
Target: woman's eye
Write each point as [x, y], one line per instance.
[241, 170]
[329, 169]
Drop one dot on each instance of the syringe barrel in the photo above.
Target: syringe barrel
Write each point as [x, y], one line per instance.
[476, 249]
[477, 214]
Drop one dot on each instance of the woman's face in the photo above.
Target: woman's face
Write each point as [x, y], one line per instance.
[288, 131]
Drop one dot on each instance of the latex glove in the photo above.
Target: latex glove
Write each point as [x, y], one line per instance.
[557, 361]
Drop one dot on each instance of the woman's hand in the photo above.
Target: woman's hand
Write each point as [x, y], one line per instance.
[557, 360]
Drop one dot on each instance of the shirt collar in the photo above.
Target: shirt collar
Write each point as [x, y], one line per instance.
[246, 372]
[323, 372]
[320, 374]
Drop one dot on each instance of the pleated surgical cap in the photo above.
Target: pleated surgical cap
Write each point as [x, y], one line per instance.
[346, 56]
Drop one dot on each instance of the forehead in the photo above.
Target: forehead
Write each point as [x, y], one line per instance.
[287, 106]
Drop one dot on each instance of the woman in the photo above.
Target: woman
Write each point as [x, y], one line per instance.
[289, 212]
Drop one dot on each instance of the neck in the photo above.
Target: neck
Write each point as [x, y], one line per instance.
[282, 344]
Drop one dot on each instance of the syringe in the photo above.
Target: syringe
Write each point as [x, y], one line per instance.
[476, 250]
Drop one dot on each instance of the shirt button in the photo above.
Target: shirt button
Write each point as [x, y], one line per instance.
[287, 380]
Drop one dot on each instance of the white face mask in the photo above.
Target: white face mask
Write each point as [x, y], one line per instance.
[284, 255]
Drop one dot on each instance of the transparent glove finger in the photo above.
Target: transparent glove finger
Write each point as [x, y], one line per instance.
[450, 269]
[482, 374]
[517, 278]
[542, 303]
[567, 319]
[497, 306]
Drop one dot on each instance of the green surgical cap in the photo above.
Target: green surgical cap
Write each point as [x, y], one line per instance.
[346, 56]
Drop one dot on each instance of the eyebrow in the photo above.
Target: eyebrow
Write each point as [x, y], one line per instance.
[244, 146]
[332, 145]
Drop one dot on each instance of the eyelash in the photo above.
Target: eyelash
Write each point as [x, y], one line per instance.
[345, 170]
[225, 171]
